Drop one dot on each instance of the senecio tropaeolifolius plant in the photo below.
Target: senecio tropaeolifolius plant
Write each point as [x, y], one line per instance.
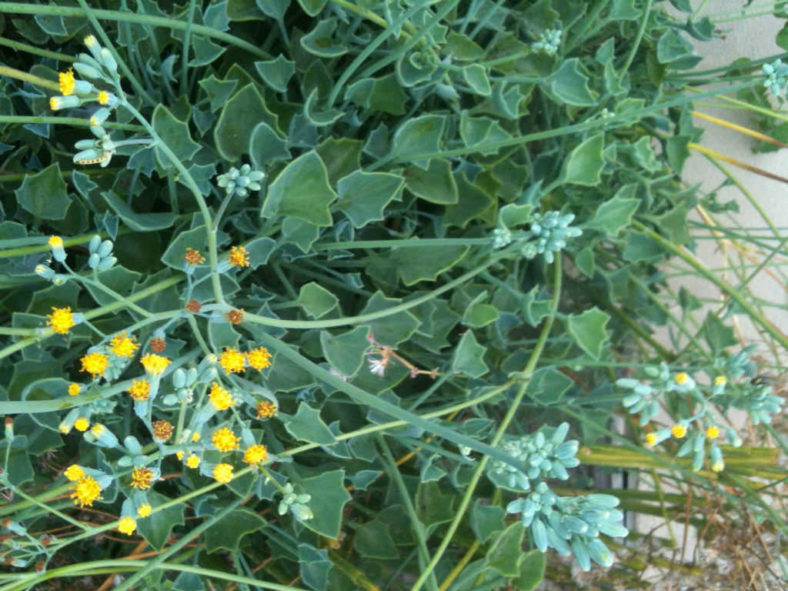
[359, 295]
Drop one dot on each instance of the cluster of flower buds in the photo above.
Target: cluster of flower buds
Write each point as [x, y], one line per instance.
[100, 258]
[551, 231]
[295, 503]
[549, 42]
[776, 77]
[239, 182]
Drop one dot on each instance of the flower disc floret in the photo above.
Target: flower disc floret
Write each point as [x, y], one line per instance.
[259, 358]
[81, 424]
[95, 364]
[127, 525]
[678, 431]
[74, 389]
[232, 361]
[255, 454]
[223, 473]
[238, 257]
[66, 82]
[139, 390]
[193, 461]
[220, 398]
[266, 410]
[61, 319]
[224, 439]
[141, 478]
[154, 364]
[712, 432]
[162, 430]
[86, 490]
[122, 345]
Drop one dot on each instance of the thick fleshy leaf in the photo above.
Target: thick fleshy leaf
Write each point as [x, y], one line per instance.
[307, 425]
[301, 190]
[239, 116]
[44, 194]
[469, 357]
[276, 72]
[363, 196]
[228, 532]
[329, 498]
[345, 352]
[316, 300]
[175, 134]
[584, 164]
[589, 330]
[505, 553]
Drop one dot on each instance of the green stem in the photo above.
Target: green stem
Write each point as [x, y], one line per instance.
[513, 408]
[186, 39]
[32, 49]
[70, 121]
[638, 38]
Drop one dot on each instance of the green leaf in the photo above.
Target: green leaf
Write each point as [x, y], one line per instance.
[363, 196]
[266, 146]
[44, 194]
[584, 261]
[196, 239]
[623, 10]
[672, 47]
[717, 335]
[316, 300]
[570, 85]
[383, 94]
[141, 222]
[238, 119]
[640, 247]
[259, 250]
[433, 506]
[435, 184]
[156, 529]
[227, 532]
[469, 357]
[277, 72]
[320, 40]
[217, 91]
[393, 329]
[478, 314]
[615, 213]
[589, 330]
[301, 190]
[315, 115]
[329, 498]
[419, 135]
[481, 131]
[548, 386]
[505, 553]
[314, 566]
[205, 52]
[486, 520]
[414, 264]
[175, 134]
[345, 352]
[306, 425]
[373, 540]
[462, 47]
[342, 156]
[585, 162]
[118, 278]
[532, 566]
[476, 77]
[312, 7]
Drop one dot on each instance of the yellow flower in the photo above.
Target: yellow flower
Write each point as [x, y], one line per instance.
[61, 319]
[678, 431]
[681, 378]
[55, 241]
[259, 358]
[102, 98]
[162, 430]
[196, 436]
[74, 389]
[86, 490]
[144, 510]
[223, 473]
[255, 454]
[154, 364]
[238, 257]
[179, 454]
[141, 478]
[139, 390]
[67, 82]
[718, 466]
[90, 41]
[74, 473]
[193, 257]
[232, 361]
[95, 364]
[81, 424]
[127, 525]
[720, 381]
[55, 103]
[651, 439]
[193, 461]
[266, 410]
[220, 398]
[98, 430]
[224, 439]
[712, 432]
[123, 346]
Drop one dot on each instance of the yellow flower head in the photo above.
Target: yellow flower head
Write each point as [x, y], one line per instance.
[196, 436]
[255, 454]
[55, 103]
[74, 389]
[224, 439]
[61, 319]
[681, 378]
[67, 82]
[259, 358]
[266, 410]
[139, 390]
[720, 381]
[712, 432]
[223, 473]
[81, 424]
[238, 257]
[103, 97]
[193, 461]
[86, 490]
[718, 466]
[678, 431]
[651, 439]
[127, 525]
[141, 478]
[74, 473]
[123, 346]
[162, 430]
[95, 364]
[220, 398]
[232, 361]
[179, 454]
[154, 364]
[193, 257]
[98, 430]
[55, 241]
[144, 510]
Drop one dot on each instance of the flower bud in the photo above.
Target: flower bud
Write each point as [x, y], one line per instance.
[94, 260]
[106, 59]
[57, 103]
[86, 70]
[44, 272]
